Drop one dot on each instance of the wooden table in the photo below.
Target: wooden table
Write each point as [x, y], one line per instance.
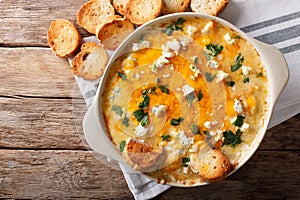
[41, 154]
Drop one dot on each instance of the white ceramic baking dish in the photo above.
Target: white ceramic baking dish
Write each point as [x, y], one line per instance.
[274, 62]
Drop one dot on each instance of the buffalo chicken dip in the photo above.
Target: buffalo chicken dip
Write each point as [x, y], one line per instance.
[186, 100]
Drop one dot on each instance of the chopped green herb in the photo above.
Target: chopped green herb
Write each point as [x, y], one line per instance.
[141, 39]
[200, 95]
[122, 145]
[238, 62]
[179, 21]
[230, 83]
[237, 37]
[232, 139]
[195, 129]
[260, 74]
[246, 80]
[209, 77]
[205, 132]
[125, 121]
[239, 121]
[122, 75]
[195, 60]
[208, 56]
[165, 137]
[139, 114]
[117, 109]
[145, 103]
[145, 120]
[157, 80]
[176, 122]
[214, 49]
[152, 90]
[164, 89]
[190, 98]
[175, 26]
[185, 161]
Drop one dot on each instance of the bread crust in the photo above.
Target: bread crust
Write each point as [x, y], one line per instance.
[212, 165]
[63, 38]
[93, 13]
[209, 7]
[142, 11]
[120, 6]
[112, 33]
[90, 62]
[142, 156]
[174, 6]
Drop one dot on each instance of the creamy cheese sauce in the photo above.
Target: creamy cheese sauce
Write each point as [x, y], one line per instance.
[201, 84]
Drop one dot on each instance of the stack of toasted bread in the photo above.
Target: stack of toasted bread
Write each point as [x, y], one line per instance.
[112, 22]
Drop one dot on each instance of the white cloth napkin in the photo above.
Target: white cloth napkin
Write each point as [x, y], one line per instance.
[275, 22]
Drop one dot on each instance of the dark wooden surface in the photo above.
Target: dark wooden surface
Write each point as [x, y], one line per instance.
[42, 155]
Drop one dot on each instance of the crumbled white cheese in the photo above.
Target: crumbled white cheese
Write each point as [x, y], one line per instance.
[186, 170]
[186, 141]
[137, 76]
[140, 130]
[207, 124]
[221, 75]
[159, 110]
[115, 92]
[207, 27]
[214, 123]
[246, 70]
[171, 67]
[218, 135]
[237, 106]
[212, 64]
[142, 72]
[191, 30]
[186, 89]
[141, 45]
[174, 45]
[195, 71]
[228, 39]
[184, 41]
[245, 127]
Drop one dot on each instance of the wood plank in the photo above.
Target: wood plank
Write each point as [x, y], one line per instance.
[58, 175]
[78, 174]
[24, 23]
[41, 123]
[34, 72]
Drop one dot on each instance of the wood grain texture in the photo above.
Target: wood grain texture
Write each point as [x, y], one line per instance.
[25, 23]
[78, 174]
[34, 72]
[40, 123]
[58, 175]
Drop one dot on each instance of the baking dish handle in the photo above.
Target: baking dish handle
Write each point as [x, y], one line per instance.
[274, 59]
[96, 136]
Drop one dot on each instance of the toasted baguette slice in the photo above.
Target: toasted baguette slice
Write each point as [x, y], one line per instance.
[142, 11]
[211, 7]
[174, 6]
[90, 62]
[111, 34]
[120, 6]
[93, 13]
[212, 165]
[63, 38]
[142, 156]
